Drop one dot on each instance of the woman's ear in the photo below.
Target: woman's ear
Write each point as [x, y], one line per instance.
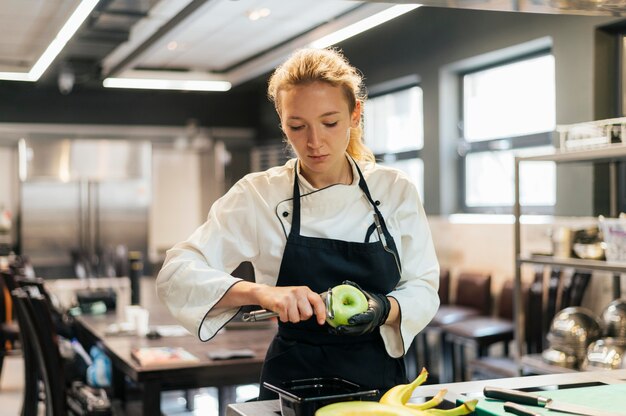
[355, 117]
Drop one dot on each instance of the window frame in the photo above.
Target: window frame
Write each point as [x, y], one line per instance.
[505, 143]
[390, 87]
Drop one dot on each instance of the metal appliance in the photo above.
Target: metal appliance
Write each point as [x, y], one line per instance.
[84, 203]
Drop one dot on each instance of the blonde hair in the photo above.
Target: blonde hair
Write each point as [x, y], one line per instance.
[306, 66]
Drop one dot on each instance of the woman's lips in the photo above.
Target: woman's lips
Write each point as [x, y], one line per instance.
[320, 158]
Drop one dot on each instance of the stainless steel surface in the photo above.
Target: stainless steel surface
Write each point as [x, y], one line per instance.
[613, 319]
[579, 7]
[87, 197]
[605, 153]
[559, 358]
[573, 329]
[609, 153]
[579, 264]
[606, 354]
[591, 251]
[258, 315]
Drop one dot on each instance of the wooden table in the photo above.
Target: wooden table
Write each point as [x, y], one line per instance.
[188, 375]
[462, 391]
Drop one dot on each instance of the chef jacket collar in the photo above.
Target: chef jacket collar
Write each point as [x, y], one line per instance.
[306, 187]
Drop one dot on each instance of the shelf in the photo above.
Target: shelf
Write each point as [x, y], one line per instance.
[575, 263]
[606, 153]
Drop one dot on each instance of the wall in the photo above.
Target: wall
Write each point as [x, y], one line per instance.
[33, 103]
[429, 40]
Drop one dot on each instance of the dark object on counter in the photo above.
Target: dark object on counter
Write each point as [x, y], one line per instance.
[304, 397]
[90, 296]
[135, 273]
[84, 400]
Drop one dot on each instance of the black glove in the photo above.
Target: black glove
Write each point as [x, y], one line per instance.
[366, 322]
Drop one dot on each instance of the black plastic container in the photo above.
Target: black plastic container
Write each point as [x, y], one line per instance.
[304, 397]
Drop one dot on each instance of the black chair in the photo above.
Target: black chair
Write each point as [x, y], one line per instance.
[472, 298]
[420, 346]
[39, 330]
[9, 329]
[482, 332]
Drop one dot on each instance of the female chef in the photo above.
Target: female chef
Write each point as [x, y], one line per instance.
[329, 215]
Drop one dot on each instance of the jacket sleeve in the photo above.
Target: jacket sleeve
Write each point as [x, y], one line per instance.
[416, 292]
[196, 272]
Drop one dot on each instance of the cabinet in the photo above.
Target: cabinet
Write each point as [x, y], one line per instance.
[611, 153]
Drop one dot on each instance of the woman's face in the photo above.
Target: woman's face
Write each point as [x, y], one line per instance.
[316, 120]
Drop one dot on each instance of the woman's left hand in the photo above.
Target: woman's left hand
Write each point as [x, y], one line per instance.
[376, 314]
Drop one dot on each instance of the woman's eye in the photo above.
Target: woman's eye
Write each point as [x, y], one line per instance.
[296, 128]
[333, 124]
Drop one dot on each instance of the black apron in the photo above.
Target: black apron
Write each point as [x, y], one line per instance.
[307, 349]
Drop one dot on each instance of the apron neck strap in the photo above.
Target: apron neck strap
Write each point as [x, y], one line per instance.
[295, 223]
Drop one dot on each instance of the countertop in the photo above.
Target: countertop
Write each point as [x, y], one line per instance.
[469, 389]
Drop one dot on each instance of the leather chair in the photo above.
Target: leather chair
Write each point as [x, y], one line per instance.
[38, 330]
[9, 329]
[420, 350]
[472, 298]
[482, 332]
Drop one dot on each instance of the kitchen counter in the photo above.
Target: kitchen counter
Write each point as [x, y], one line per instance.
[469, 389]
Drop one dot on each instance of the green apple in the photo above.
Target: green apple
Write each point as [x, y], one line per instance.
[347, 301]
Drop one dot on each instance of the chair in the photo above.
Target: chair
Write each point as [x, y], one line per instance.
[482, 331]
[472, 298]
[420, 344]
[37, 322]
[9, 330]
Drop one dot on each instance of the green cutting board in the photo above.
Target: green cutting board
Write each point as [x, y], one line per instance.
[609, 397]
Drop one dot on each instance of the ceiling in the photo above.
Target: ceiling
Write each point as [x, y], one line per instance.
[205, 39]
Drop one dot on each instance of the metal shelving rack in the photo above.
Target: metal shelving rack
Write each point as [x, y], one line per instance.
[611, 153]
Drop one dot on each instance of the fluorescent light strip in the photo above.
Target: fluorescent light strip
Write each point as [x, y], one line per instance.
[166, 84]
[363, 25]
[52, 51]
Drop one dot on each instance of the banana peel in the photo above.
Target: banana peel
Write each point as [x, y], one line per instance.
[382, 409]
[395, 403]
[365, 409]
[400, 394]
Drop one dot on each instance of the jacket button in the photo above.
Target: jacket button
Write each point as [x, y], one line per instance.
[377, 203]
[285, 214]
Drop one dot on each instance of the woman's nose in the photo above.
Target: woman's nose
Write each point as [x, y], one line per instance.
[314, 139]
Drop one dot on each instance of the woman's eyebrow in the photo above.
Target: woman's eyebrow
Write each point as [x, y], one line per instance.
[329, 113]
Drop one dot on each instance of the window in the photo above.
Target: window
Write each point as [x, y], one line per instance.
[393, 130]
[508, 111]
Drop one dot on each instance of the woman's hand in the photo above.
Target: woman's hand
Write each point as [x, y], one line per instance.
[292, 303]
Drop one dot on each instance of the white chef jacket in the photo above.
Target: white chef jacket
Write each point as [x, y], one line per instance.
[252, 220]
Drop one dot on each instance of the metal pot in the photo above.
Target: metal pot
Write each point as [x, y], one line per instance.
[605, 354]
[573, 329]
[614, 319]
[591, 251]
[559, 358]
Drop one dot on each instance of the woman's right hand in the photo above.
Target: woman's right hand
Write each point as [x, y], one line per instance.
[292, 303]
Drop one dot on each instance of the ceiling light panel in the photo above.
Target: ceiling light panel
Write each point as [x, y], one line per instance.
[28, 27]
[220, 35]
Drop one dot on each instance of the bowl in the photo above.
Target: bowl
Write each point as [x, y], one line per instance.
[605, 354]
[573, 329]
[304, 397]
[559, 358]
[613, 319]
[589, 251]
